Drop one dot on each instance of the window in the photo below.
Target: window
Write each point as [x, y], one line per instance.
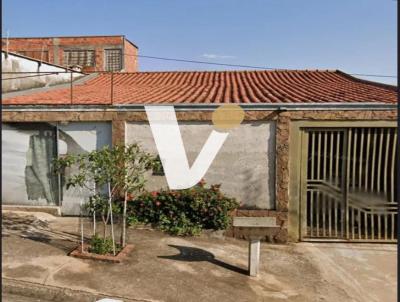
[113, 59]
[79, 57]
[35, 54]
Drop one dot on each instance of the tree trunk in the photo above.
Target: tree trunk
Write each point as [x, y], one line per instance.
[105, 228]
[123, 235]
[94, 212]
[94, 223]
[81, 223]
[111, 217]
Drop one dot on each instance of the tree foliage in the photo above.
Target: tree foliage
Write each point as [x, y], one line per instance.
[117, 173]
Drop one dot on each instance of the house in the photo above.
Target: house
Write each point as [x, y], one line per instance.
[20, 73]
[316, 149]
[91, 53]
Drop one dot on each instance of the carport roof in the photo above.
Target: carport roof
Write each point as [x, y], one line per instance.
[212, 87]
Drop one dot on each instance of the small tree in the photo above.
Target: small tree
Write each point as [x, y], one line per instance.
[131, 165]
[119, 170]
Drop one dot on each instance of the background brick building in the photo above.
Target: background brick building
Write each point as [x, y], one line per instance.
[91, 53]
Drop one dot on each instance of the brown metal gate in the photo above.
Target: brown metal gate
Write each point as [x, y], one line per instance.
[348, 191]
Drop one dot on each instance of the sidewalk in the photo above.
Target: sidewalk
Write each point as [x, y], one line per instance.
[165, 268]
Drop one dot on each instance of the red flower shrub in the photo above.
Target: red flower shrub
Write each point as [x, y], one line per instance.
[202, 183]
[184, 212]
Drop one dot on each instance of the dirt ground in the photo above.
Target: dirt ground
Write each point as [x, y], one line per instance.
[167, 268]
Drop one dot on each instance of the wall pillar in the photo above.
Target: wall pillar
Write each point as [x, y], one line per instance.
[282, 162]
[118, 132]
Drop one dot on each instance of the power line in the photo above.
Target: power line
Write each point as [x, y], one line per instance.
[248, 66]
[208, 63]
[225, 64]
[372, 75]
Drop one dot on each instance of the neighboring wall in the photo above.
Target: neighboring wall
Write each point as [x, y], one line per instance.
[14, 63]
[245, 165]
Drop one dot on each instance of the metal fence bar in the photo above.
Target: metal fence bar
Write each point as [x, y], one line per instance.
[339, 182]
[392, 225]
[312, 212]
[317, 211]
[361, 159]
[385, 169]
[324, 167]
[337, 157]
[319, 156]
[386, 226]
[330, 179]
[373, 161]
[367, 158]
[379, 216]
[312, 153]
[353, 177]
[351, 225]
[393, 167]
[336, 209]
[323, 214]
[312, 177]
[318, 193]
[331, 157]
[347, 149]
[372, 225]
[379, 172]
[329, 216]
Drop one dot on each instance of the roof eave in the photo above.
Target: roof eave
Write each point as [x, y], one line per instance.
[210, 107]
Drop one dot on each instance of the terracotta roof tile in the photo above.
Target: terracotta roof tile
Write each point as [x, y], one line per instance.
[205, 87]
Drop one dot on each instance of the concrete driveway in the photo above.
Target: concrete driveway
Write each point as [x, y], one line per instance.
[166, 268]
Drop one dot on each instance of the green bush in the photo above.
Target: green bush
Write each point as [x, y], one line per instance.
[183, 212]
[102, 246]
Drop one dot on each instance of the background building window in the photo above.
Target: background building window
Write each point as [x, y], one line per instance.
[79, 57]
[113, 59]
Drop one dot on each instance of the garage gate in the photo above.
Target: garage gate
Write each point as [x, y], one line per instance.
[348, 190]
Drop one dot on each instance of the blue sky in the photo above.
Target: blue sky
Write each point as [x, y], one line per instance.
[356, 36]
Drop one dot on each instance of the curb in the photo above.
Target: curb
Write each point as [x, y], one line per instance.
[55, 293]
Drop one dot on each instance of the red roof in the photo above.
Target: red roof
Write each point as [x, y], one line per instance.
[207, 87]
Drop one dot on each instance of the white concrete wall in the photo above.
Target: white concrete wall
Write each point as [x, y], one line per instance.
[74, 138]
[245, 165]
[15, 159]
[79, 138]
[13, 63]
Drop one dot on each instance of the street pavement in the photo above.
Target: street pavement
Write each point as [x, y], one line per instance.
[16, 298]
[167, 268]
